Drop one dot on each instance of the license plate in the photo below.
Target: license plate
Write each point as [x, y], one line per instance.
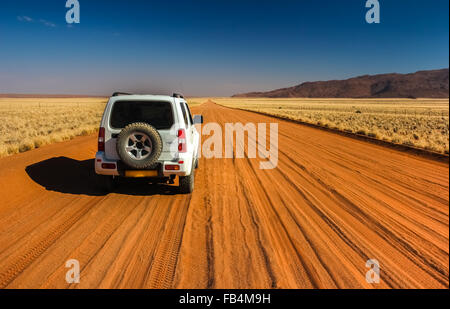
[141, 174]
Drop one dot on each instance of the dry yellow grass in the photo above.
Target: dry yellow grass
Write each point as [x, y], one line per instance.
[422, 123]
[196, 101]
[28, 123]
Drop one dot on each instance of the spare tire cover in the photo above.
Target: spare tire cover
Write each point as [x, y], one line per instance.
[139, 145]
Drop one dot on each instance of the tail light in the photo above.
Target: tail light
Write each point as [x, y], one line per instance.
[109, 166]
[101, 139]
[182, 140]
[172, 167]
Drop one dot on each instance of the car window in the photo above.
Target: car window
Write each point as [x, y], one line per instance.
[185, 116]
[157, 114]
[189, 113]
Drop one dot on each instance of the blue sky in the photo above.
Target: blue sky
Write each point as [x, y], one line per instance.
[212, 47]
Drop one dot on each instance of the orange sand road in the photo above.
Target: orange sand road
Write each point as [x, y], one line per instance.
[332, 204]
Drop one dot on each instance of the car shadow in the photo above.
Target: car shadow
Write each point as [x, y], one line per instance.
[66, 175]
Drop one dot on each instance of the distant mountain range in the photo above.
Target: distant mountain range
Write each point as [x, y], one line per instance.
[422, 84]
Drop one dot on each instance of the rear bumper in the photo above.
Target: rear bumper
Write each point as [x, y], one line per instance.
[100, 160]
[102, 167]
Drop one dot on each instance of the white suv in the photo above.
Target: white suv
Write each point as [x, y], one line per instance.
[148, 136]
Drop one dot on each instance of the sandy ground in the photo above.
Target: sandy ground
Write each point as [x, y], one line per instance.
[332, 204]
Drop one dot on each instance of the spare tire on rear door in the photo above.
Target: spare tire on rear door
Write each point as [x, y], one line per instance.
[139, 145]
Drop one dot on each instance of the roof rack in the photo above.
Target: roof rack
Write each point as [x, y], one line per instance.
[116, 94]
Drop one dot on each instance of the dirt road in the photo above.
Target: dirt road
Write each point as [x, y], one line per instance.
[332, 204]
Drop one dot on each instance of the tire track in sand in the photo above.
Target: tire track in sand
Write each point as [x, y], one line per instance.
[331, 203]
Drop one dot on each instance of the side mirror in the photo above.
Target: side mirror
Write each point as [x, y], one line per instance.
[198, 119]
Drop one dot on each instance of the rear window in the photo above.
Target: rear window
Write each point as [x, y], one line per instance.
[157, 114]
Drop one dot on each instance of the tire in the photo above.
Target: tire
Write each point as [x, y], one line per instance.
[196, 163]
[139, 145]
[187, 183]
[106, 183]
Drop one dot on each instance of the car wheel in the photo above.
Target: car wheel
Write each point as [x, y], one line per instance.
[196, 163]
[139, 145]
[187, 183]
[106, 183]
